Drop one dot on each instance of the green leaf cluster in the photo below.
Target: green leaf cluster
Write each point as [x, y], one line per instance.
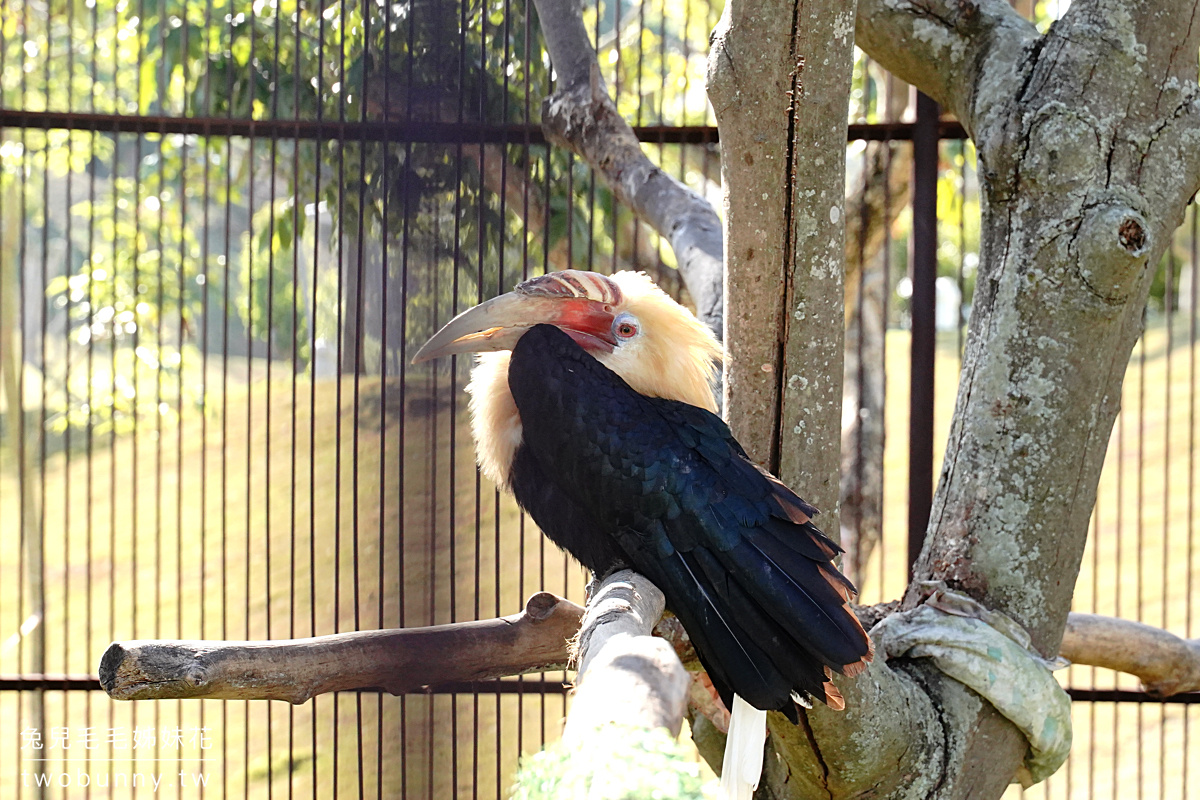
[619, 763]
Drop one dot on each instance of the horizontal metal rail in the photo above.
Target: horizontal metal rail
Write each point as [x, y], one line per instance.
[90, 683]
[1127, 696]
[388, 131]
[34, 682]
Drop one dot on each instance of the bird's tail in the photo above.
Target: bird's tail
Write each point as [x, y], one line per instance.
[742, 765]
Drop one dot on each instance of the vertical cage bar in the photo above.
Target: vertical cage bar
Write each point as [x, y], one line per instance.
[924, 276]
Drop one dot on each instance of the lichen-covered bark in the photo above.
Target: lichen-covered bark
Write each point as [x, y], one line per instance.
[813, 318]
[779, 79]
[889, 719]
[750, 74]
[780, 95]
[1087, 145]
[1087, 153]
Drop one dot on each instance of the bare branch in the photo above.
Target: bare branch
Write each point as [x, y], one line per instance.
[631, 688]
[295, 670]
[409, 659]
[581, 116]
[633, 680]
[624, 603]
[626, 676]
[1165, 663]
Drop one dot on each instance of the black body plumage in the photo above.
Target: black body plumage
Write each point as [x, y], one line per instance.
[619, 479]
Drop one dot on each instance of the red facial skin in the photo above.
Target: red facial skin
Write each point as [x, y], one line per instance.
[587, 322]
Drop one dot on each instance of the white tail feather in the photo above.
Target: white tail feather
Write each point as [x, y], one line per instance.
[742, 765]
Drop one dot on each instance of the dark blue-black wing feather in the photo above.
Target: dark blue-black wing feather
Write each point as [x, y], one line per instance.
[619, 479]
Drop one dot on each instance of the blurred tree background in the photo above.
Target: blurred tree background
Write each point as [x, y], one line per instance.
[210, 427]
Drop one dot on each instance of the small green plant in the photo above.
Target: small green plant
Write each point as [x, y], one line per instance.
[620, 763]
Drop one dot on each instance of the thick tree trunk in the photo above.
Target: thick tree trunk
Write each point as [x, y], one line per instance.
[780, 94]
[778, 80]
[1086, 141]
[750, 77]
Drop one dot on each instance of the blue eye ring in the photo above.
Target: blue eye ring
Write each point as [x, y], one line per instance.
[625, 326]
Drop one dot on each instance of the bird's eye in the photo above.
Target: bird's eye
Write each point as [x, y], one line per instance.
[625, 326]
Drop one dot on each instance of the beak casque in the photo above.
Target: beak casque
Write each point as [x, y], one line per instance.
[498, 323]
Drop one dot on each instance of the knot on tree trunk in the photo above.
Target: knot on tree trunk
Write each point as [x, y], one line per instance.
[1132, 235]
[1112, 244]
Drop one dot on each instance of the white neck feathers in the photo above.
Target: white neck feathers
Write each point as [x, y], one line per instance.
[495, 423]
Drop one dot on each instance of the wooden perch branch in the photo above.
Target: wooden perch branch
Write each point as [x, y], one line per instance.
[295, 670]
[626, 676]
[583, 118]
[1165, 663]
[624, 603]
[631, 686]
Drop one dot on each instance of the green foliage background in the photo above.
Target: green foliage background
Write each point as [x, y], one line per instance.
[175, 245]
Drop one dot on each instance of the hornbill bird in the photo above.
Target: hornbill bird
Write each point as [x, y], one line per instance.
[592, 401]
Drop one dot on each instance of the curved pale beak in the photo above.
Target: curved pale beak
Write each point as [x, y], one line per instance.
[498, 323]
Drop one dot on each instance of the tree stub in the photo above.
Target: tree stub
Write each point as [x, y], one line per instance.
[1165, 663]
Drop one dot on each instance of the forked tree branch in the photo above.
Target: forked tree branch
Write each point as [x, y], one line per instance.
[583, 118]
[944, 46]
